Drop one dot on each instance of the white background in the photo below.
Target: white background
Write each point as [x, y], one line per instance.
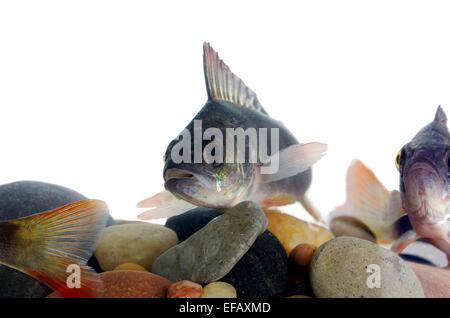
[91, 92]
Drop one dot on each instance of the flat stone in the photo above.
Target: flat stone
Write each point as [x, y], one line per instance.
[139, 243]
[211, 253]
[352, 267]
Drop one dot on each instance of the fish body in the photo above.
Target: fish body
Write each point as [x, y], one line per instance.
[423, 197]
[232, 107]
[45, 246]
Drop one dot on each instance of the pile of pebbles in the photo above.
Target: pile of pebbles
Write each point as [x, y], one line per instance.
[243, 253]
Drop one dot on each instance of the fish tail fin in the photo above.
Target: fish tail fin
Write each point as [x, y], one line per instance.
[54, 246]
[163, 205]
[369, 202]
[292, 160]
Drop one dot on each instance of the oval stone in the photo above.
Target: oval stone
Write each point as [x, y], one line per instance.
[190, 222]
[291, 231]
[219, 290]
[263, 271]
[352, 267]
[212, 252]
[435, 281]
[130, 267]
[139, 243]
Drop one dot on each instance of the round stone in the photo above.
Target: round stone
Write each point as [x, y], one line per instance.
[219, 290]
[190, 222]
[301, 255]
[139, 243]
[291, 231]
[352, 267]
[185, 289]
[130, 267]
[263, 271]
[435, 281]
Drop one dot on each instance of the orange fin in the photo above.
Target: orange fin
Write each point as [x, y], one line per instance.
[279, 199]
[370, 202]
[51, 246]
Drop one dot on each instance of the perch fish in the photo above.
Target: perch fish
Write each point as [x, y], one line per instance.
[215, 184]
[424, 195]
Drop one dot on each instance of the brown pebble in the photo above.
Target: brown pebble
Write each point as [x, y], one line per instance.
[129, 284]
[185, 289]
[301, 255]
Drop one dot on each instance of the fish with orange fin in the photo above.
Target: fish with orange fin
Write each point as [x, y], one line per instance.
[424, 194]
[221, 184]
[45, 246]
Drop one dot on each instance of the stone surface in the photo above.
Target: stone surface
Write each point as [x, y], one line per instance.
[263, 271]
[348, 267]
[219, 290]
[129, 284]
[21, 199]
[301, 255]
[212, 252]
[292, 231]
[130, 267]
[139, 243]
[435, 281]
[185, 289]
[190, 222]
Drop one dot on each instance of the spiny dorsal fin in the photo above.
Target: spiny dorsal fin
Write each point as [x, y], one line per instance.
[223, 85]
[440, 116]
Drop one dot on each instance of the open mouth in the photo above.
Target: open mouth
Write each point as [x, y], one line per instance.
[175, 173]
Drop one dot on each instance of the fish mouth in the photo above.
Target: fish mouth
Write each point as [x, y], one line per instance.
[425, 194]
[175, 173]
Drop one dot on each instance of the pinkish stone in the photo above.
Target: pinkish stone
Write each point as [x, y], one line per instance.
[185, 289]
[435, 281]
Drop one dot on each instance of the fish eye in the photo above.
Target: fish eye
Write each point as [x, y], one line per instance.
[398, 158]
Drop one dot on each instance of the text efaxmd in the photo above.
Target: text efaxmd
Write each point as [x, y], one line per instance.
[226, 307]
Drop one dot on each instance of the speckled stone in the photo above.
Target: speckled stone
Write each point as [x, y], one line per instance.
[263, 271]
[139, 243]
[21, 199]
[343, 267]
[212, 252]
[219, 290]
[190, 222]
[292, 231]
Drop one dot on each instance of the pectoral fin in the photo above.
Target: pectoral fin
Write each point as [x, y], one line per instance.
[292, 161]
[163, 205]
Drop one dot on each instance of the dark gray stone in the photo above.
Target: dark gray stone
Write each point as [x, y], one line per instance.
[190, 222]
[263, 271]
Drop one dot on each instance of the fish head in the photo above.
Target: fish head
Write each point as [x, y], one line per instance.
[424, 166]
[206, 176]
